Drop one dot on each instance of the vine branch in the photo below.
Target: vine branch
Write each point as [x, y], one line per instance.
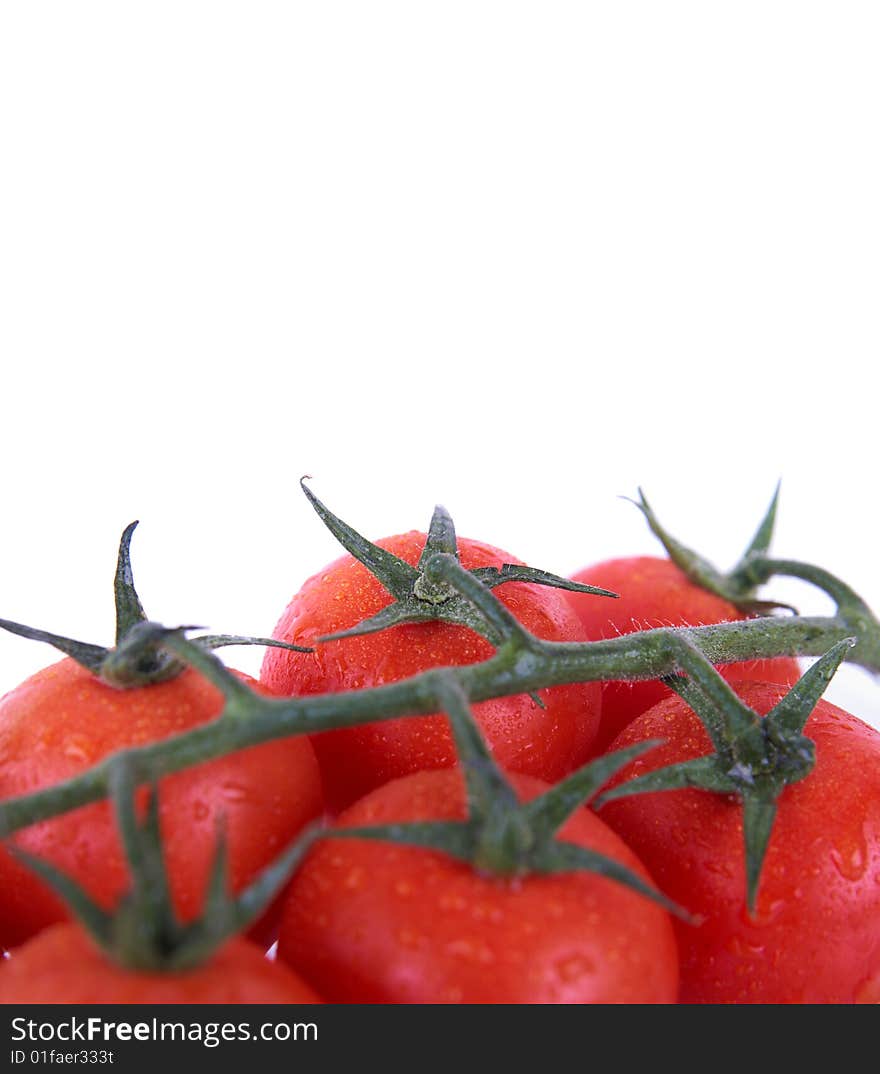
[522, 664]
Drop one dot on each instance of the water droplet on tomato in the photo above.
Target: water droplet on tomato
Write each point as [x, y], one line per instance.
[740, 947]
[720, 868]
[851, 860]
[765, 913]
[78, 748]
[574, 968]
[235, 792]
[355, 878]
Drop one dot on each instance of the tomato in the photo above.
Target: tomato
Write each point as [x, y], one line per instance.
[64, 720]
[815, 934]
[374, 922]
[654, 592]
[63, 965]
[547, 743]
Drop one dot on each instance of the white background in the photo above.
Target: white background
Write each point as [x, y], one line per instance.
[519, 258]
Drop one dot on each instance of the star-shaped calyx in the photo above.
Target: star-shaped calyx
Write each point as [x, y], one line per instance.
[143, 931]
[139, 658]
[737, 586]
[419, 598]
[754, 758]
[501, 835]
[756, 567]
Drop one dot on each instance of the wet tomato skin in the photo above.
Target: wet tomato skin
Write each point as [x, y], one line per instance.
[547, 743]
[815, 935]
[63, 720]
[654, 592]
[63, 965]
[372, 922]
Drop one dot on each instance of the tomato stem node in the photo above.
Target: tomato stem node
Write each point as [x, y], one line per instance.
[138, 659]
[755, 759]
[428, 592]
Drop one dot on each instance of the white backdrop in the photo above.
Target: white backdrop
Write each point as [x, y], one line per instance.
[518, 258]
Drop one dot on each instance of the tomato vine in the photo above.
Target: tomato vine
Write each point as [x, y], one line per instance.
[441, 588]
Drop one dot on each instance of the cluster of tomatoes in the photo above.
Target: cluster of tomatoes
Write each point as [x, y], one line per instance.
[367, 921]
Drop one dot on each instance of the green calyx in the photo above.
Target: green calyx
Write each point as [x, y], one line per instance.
[502, 836]
[754, 758]
[737, 586]
[139, 657]
[143, 932]
[420, 596]
[756, 567]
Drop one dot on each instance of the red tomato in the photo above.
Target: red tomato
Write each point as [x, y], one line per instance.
[547, 743]
[374, 922]
[654, 592]
[63, 965]
[815, 936]
[63, 720]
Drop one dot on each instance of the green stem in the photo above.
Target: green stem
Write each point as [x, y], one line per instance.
[762, 568]
[252, 719]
